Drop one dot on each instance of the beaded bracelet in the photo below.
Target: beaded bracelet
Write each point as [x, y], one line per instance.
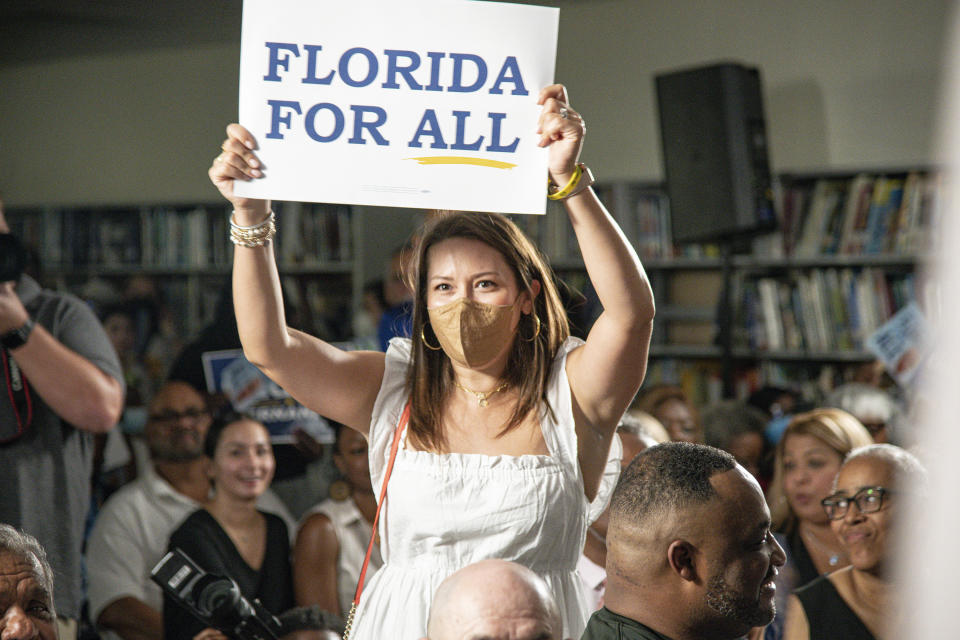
[255, 235]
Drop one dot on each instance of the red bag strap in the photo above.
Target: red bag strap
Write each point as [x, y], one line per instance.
[404, 418]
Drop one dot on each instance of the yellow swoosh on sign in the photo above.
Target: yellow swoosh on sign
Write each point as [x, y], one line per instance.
[480, 162]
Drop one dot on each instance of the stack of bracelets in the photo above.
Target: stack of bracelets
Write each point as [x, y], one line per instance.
[255, 235]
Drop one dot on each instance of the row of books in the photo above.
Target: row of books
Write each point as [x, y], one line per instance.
[642, 212]
[821, 310]
[311, 234]
[865, 214]
[174, 237]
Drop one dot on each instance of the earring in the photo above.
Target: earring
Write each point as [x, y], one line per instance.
[424, 339]
[536, 333]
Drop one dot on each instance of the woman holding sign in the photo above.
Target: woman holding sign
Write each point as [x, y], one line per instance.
[504, 424]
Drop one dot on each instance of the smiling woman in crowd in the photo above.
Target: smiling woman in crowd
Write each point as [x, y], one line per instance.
[858, 602]
[230, 537]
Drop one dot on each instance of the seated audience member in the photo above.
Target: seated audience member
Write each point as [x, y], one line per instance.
[396, 320]
[670, 406]
[634, 435]
[494, 600]
[26, 588]
[332, 541]
[774, 402]
[858, 602]
[309, 623]
[689, 550]
[806, 461]
[229, 536]
[872, 406]
[644, 426]
[131, 532]
[737, 428]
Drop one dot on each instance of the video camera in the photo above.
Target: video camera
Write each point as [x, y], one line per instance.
[215, 600]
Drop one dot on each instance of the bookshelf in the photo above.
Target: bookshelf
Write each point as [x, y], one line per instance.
[802, 299]
[185, 251]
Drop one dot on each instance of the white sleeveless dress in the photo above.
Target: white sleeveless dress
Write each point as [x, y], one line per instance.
[444, 512]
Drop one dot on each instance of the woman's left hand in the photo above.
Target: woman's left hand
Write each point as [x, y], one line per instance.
[562, 129]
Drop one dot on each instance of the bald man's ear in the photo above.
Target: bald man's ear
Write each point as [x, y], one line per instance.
[680, 555]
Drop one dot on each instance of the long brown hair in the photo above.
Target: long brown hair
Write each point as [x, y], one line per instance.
[430, 377]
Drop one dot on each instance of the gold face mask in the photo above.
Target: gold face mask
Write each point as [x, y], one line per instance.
[471, 333]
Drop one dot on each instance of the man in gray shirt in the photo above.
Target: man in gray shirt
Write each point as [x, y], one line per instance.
[63, 384]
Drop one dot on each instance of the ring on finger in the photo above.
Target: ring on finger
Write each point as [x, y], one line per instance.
[564, 113]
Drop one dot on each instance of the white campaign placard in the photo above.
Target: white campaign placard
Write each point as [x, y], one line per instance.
[418, 103]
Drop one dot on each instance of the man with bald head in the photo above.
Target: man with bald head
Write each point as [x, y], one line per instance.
[494, 600]
[690, 555]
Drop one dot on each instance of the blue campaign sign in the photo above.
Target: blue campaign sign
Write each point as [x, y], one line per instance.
[251, 392]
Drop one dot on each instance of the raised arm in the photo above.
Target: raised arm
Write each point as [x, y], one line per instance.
[337, 384]
[607, 371]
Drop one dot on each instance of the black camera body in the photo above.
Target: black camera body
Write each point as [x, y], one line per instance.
[13, 257]
[215, 600]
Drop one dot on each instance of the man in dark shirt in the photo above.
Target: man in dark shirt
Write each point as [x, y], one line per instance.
[690, 555]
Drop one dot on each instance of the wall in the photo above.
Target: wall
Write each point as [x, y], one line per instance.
[850, 83]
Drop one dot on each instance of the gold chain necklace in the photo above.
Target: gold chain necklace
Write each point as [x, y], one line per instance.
[482, 397]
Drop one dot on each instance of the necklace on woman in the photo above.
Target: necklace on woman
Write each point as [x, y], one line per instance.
[481, 396]
[833, 556]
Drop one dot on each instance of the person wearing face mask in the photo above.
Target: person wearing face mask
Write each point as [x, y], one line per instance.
[858, 601]
[499, 429]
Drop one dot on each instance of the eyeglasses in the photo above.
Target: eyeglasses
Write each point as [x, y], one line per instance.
[868, 499]
[169, 417]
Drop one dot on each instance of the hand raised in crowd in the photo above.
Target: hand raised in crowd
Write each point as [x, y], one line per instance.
[237, 161]
[562, 129]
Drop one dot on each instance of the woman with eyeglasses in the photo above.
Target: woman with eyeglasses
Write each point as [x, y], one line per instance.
[857, 602]
[807, 459]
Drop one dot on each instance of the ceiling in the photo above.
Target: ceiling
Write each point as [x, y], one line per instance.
[39, 30]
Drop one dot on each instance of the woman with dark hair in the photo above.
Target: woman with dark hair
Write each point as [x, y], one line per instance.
[669, 404]
[507, 449]
[230, 537]
[332, 537]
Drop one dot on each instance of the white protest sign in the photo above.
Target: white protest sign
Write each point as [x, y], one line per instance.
[425, 103]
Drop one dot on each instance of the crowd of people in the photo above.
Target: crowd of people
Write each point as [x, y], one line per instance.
[497, 478]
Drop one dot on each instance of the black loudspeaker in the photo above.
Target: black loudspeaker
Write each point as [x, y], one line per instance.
[715, 152]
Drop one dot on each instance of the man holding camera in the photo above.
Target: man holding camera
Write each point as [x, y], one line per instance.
[63, 384]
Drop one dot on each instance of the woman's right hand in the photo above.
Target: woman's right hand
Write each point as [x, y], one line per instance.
[239, 162]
